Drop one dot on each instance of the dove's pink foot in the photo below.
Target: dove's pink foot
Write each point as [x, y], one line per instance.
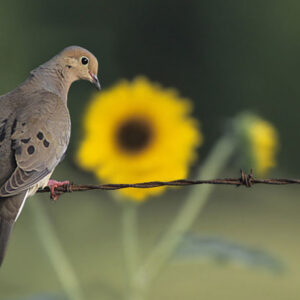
[53, 184]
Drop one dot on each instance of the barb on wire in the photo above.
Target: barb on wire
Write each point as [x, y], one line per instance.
[247, 180]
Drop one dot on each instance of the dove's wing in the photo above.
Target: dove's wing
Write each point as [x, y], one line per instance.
[39, 136]
[34, 134]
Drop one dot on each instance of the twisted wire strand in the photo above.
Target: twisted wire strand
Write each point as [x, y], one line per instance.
[247, 180]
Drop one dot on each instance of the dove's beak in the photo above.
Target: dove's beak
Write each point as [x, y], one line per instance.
[95, 81]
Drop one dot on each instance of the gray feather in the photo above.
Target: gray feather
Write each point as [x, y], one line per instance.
[5, 231]
[9, 210]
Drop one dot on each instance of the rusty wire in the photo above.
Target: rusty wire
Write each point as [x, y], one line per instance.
[247, 180]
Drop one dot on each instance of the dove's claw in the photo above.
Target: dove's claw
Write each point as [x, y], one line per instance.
[53, 184]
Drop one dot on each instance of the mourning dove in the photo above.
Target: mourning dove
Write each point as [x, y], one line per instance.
[35, 130]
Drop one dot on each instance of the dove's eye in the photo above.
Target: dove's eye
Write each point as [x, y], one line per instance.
[84, 60]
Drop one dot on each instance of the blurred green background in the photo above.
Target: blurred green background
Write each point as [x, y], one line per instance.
[226, 56]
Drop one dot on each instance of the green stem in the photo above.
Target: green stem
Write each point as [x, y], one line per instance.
[53, 248]
[131, 248]
[189, 212]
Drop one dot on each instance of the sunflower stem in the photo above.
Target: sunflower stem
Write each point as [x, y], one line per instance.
[191, 208]
[131, 249]
[56, 254]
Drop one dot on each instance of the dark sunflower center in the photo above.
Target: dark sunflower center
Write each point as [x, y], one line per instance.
[134, 135]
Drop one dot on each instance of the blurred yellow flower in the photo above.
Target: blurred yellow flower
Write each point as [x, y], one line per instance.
[137, 131]
[259, 139]
[264, 143]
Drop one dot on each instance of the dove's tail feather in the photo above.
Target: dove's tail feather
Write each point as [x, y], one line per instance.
[9, 211]
[5, 230]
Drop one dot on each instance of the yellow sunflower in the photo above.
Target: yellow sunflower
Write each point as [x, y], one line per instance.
[137, 131]
[260, 141]
[264, 142]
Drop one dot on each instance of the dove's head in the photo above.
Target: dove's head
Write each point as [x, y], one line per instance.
[78, 63]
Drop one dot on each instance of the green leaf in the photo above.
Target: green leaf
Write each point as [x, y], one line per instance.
[196, 248]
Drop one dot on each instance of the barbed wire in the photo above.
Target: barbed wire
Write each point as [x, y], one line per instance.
[247, 180]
